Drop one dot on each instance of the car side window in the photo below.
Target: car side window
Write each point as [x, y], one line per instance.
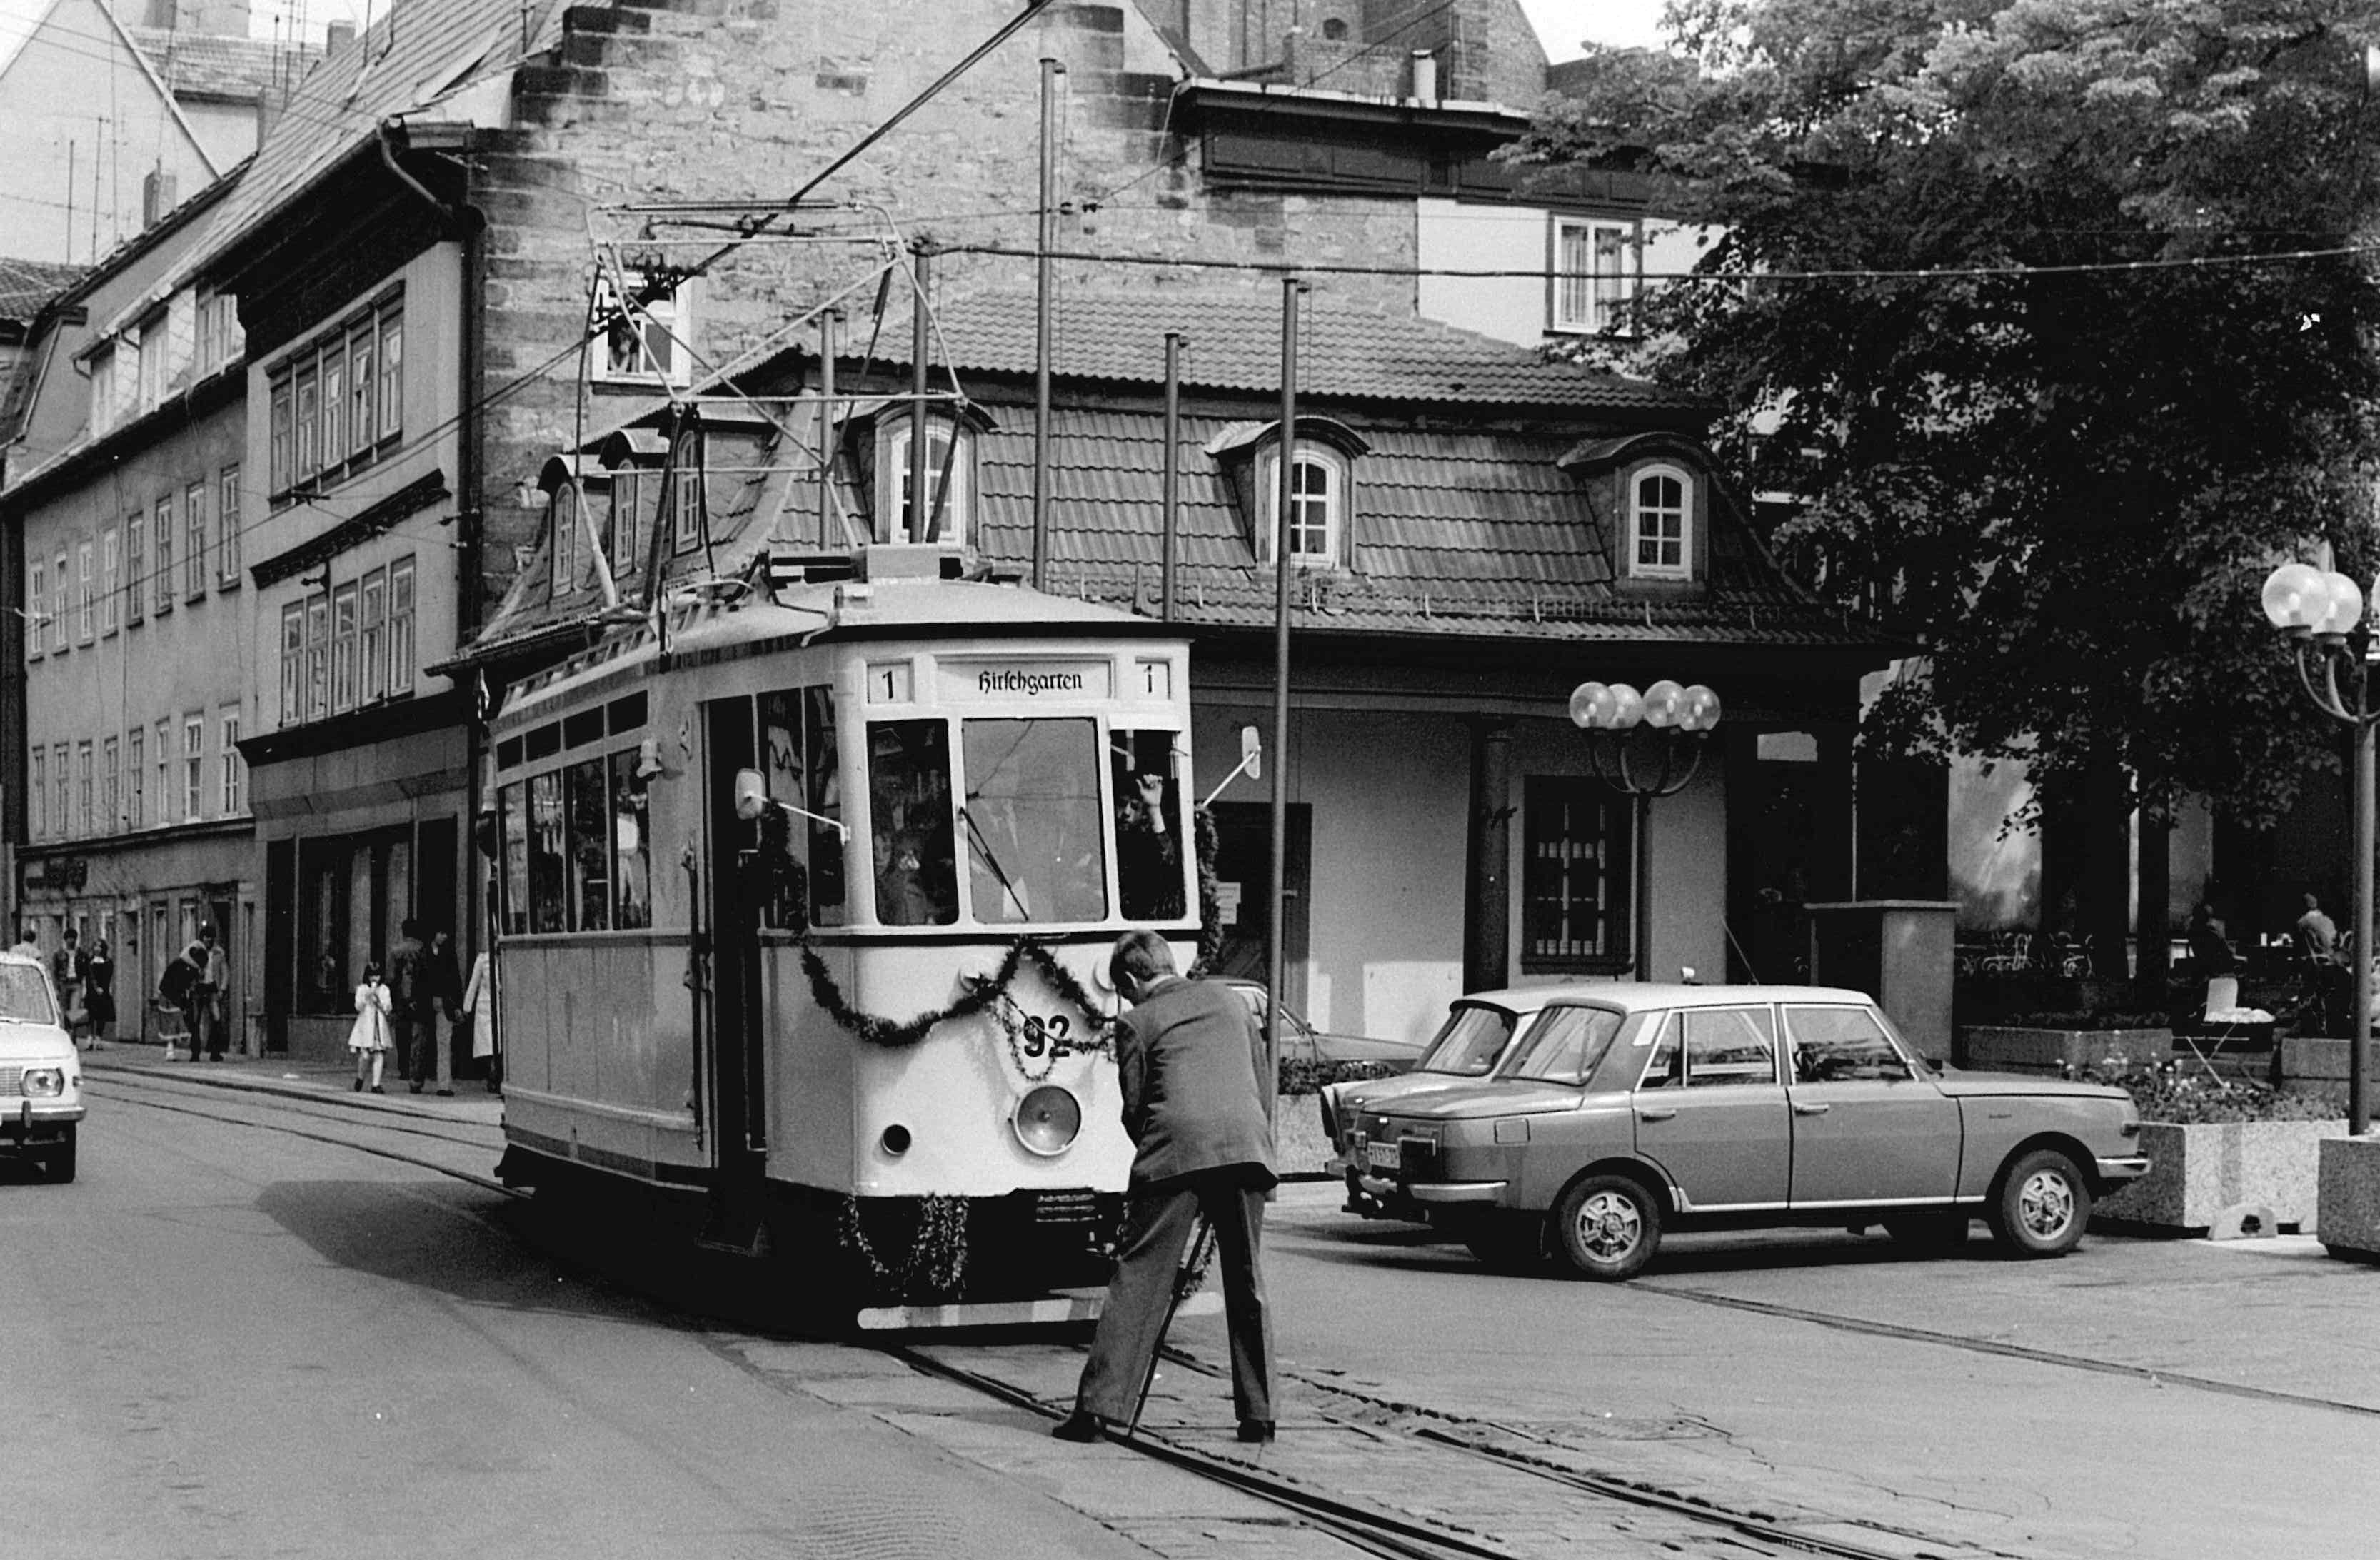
[1727, 1046]
[1566, 1044]
[1837, 1045]
[1666, 1068]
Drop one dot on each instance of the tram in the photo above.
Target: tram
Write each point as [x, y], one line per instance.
[805, 901]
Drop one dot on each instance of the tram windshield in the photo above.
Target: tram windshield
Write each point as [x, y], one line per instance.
[1036, 840]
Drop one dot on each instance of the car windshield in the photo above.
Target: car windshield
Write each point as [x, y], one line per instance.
[1254, 996]
[1469, 1041]
[1564, 1044]
[25, 995]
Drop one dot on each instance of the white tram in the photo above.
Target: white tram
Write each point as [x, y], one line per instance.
[745, 855]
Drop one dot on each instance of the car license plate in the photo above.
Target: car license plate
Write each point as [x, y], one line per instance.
[1384, 1156]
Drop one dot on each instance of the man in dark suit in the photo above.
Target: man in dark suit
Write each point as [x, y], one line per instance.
[1191, 1060]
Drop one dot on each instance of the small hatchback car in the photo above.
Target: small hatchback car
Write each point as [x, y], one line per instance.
[1620, 1110]
[41, 1071]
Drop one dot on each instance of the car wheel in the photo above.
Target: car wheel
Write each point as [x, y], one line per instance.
[2043, 1205]
[1935, 1229]
[61, 1161]
[1606, 1226]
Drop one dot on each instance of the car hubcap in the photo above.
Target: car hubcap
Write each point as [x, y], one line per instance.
[2046, 1204]
[1609, 1225]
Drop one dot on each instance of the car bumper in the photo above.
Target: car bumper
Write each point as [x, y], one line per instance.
[2116, 1171]
[27, 1125]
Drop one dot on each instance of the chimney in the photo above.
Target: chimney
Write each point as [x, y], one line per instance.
[157, 196]
[268, 111]
[1425, 76]
[338, 36]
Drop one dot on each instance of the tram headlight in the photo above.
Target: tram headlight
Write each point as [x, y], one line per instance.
[894, 1140]
[1047, 1120]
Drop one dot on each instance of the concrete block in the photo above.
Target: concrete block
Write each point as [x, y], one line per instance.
[2244, 1221]
[2010, 1048]
[2349, 1196]
[2198, 1171]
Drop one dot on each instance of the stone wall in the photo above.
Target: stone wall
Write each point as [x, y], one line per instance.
[684, 100]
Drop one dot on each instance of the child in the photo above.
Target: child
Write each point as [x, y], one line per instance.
[371, 1039]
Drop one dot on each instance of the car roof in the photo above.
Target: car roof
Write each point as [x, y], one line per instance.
[1637, 997]
[10, 956]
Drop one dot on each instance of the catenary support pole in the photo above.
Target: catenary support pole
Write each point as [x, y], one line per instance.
[909, 522]
[1276, 950]
[1171, 485]
[2359, 1047]
[1048, 230]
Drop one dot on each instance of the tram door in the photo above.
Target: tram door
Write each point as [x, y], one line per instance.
[737, 1055]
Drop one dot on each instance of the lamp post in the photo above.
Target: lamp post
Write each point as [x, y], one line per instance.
[2319, 609]
[1643, 745]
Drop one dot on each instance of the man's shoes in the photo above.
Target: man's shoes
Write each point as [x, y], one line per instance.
[1080, 1426]
[378, 1089]
[359, 1086]
[1256, 1431]
[447, 1094]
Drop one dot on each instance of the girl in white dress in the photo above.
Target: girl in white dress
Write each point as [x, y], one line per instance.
[371, 1038]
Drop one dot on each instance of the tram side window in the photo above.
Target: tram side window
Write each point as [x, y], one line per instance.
[590, 846]
[1149, 824]
[513, 803]
[1036, 840]
[548, 894]
[821, 755]
[631, 829]
[909, 796]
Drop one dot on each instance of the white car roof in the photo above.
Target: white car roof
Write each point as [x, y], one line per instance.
[1637, 997]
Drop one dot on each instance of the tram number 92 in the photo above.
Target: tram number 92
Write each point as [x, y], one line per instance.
[1048, 1036]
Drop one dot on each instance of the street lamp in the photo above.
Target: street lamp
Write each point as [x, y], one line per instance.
[1643, 745]
[2319, 607]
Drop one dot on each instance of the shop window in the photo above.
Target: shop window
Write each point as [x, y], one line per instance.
[1577, 902]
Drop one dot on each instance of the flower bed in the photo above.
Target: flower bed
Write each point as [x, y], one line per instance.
[2213, 1147]
[2048, 1045]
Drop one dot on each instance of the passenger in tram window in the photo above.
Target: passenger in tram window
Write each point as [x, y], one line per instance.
[1148, 854]
[902, 896]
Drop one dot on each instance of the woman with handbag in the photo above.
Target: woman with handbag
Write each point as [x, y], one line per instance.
[372, 1038]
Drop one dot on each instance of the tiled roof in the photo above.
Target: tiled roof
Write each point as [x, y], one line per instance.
[209, 64]
[1233, 342]
[26, 285]
[1463, 532]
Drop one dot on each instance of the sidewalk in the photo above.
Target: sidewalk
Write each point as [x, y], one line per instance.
[323, 1081]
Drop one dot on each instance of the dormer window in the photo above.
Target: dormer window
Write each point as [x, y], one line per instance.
[1318, 506]
[948, 513]
[1660, 524]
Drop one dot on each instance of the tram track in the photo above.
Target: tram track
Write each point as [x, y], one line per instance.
[1467, 1447]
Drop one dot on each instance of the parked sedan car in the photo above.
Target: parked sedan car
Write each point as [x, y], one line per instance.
[41, 1071]
[1620, 1114]
[1301, 1041]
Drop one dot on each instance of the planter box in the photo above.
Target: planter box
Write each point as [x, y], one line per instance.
[2000, 1047]
[2350, 1198]
[2196, 1171]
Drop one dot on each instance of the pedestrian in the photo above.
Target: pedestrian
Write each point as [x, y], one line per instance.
[417, 1021]
[480, 1014]
[445, 995]
[26, 943]
[2209, 948]
[178, 985]
[2325, 963]
[66, 974]
[99, 992]
[1189, 1057]
[213, 995]
[369, 1039]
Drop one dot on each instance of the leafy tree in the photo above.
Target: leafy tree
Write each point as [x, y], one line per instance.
[2051, 312]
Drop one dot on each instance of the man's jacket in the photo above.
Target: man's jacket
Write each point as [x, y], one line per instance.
[1190, 1059]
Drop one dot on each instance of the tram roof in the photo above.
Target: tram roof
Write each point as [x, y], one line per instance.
[731, 626]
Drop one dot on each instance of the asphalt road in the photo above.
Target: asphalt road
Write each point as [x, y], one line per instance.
[238, 1343]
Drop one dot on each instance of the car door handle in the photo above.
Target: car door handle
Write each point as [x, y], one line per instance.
[1803, 1108]
[1644, 1114]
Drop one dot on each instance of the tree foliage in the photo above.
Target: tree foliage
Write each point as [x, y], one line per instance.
[2051, 312]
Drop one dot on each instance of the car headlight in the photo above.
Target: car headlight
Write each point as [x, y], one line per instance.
[45, 1082]
[1047, 1120]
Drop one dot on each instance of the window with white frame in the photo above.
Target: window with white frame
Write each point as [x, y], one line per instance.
[194, 540]
[86, 781]
[336, 404]
[61, 602]
[371, 639]
[648, 336]
[1661, 523]
[400, 629]
[163, 748]
[343, 648]
[1318, 505]
[156, 347]
[135, 567]
[563, 546]
[231, 798]
[194, 764]
[315, 696]
[60, 759]
[41, 790]
[1593, 274]
[111, 579]
[161, 574]
[103, 391]
[950, 483]
[37, 610]
[293, 663]
[135, 777]
[228, 527]
[111, 759]
[85, 602]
